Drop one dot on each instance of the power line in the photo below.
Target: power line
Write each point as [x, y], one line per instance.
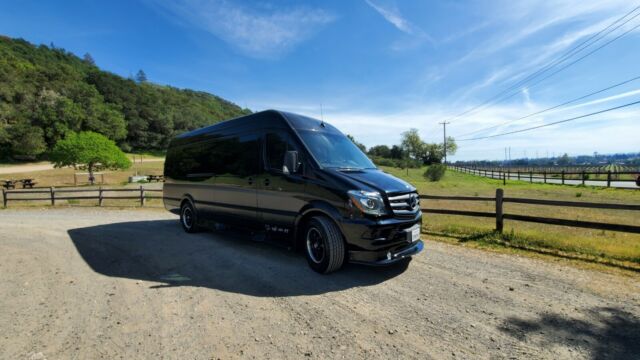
[571, 52]
[554, 107]
[554, 123]
[577, 60]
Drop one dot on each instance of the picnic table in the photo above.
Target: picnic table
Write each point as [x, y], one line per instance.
[158, 178]
[27, 183]
[9, 184]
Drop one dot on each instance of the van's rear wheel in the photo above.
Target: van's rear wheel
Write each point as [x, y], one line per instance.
[324, 245]
[188, 217]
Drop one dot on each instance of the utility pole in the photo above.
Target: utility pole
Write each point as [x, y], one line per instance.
[444, 127]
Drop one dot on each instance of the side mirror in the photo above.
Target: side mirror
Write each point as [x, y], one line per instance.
[291, 163]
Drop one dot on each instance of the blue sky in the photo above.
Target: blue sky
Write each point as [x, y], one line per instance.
[378, 67]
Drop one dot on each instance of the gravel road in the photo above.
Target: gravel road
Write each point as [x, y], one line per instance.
[85, 283]
[41, 166]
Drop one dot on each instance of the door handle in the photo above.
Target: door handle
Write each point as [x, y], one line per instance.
[250, 180]
[267, 182]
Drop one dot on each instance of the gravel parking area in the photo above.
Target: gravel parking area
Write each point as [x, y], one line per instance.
[81, 283]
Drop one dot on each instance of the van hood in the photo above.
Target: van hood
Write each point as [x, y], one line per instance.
[375, 179]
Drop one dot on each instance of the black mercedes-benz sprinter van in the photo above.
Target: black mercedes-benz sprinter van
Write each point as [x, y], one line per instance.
[297, 178]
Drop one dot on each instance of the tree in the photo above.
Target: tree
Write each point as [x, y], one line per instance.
[396, 152]
[141, 77]
[432, 154]
[380, 150]
[91, 150]
[412, 144]
[88, 59]
[26, 141]
[564, 160]
[359, 145]
[452, 147]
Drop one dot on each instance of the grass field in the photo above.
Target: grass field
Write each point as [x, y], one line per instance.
[622, 249]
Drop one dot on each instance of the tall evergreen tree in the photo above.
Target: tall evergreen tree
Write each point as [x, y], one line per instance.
[141, 76]
[87, 58]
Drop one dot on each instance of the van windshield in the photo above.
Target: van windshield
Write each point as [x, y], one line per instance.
[335, 150]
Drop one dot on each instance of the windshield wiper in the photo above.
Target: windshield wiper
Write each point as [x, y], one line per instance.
[349, 169]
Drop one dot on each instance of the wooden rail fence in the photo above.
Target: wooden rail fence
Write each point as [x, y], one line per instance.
[546, 176]
[500, 216]
[52, 194]
[499, 200]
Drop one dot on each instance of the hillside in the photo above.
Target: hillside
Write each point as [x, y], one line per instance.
[46, 92]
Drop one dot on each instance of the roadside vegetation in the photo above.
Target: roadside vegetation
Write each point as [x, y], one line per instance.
[617, 248]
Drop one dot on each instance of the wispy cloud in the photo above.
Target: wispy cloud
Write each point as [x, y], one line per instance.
[393, 16]
[259, 33]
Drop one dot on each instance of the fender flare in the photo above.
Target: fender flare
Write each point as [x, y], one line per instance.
[316, 206]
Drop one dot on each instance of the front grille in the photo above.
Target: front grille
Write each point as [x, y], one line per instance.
[405, 204]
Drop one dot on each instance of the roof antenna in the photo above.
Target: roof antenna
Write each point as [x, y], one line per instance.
[321, 116]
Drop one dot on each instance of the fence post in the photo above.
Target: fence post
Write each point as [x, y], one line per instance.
[4, 198]
[562, 177]
[504, 178]
[499, 218]
[52, 191]
[608, 178]
[100, 196]
[141, 196]
[583, 176]
[530, 176]
[544, 174]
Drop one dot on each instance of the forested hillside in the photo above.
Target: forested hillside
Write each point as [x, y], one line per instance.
[47, 92]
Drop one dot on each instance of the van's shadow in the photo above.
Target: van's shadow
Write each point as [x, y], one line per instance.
[160, 251]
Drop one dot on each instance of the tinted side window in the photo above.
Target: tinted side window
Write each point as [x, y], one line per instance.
[182, 161]
[234, 156]
[276, 146]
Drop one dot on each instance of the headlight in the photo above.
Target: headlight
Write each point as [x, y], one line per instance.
[368, 202]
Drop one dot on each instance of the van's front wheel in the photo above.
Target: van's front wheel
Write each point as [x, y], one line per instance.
[324, 245]
[188, 217]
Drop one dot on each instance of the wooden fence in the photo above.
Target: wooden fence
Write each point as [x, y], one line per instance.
[141, 194]
[546, 176]
[52, 194]
[500, 216]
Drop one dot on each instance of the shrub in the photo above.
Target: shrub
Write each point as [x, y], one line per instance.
[380, 161]
[435, 172]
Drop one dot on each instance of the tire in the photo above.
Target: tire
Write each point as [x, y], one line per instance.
[189, 217]
[324, 245]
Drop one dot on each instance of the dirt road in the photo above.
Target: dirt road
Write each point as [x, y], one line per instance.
[40, 166]
[93, 283]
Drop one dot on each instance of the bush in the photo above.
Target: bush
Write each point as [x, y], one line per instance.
[380, 161]
[435, 172]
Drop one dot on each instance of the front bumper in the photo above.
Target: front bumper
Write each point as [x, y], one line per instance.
[381, 242]
[382, 258]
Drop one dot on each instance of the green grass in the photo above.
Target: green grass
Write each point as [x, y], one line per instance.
[622, 249]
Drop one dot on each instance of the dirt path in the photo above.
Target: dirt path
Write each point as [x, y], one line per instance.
[92, 283]
[24, 168]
